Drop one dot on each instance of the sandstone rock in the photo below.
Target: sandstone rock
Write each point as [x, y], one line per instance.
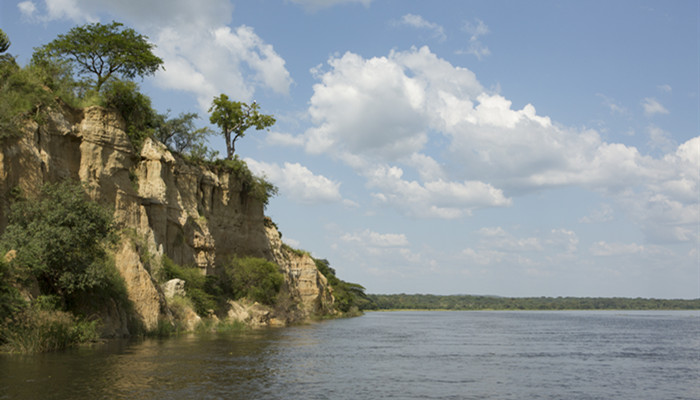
[173, 287]
[254, 315]
[149, 302]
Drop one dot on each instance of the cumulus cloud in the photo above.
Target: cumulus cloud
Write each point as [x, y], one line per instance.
[432, 199]
[202, 54]
[652, 106]
[298, 182]
[382, 116]
[418, 22]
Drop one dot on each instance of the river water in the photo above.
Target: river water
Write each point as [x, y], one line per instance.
[389, 355]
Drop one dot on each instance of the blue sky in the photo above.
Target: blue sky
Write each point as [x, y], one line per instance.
[542, 148]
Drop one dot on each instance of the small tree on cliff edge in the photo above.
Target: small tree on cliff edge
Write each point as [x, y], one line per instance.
[104, 51]
[234, 118]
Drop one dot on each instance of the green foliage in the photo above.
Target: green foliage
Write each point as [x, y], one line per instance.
[253, 278]
[235, 118]
[141, 119]
[4, 41]
[199, 288]
[59, 239]
[22, 96]
[255, 186]
[349, 297]
[100, 52]
[180, 134]
[10, 299]
[467, 302]
[36, 330]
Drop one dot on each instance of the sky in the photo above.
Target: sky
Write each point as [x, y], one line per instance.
[539, 148]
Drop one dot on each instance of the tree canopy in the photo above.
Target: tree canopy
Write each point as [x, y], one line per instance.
[4, 42]
[235, 118]
[104, 51]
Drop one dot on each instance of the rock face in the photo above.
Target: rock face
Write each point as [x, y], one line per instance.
[193, 214]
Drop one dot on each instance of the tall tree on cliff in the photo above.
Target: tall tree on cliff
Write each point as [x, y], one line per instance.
[103, 51]
[4, 42]
[235, 118]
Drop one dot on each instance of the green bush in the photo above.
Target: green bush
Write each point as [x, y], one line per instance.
[254, 186]
[198, 287]
[135, 107]
[349, 297]
[253, 278]
[22, 96]
[60, 239]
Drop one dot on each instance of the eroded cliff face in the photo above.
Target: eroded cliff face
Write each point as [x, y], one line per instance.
[193, 214]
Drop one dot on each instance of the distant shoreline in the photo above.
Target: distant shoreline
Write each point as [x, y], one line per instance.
[425, 302]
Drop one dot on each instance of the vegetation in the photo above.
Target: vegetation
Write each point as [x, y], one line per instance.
[57, 244]
[100, 52]
[180, 134]
[255, 186]
[253, 278]
[350, 298]
[466, 302]
[59, 240]
[235, 118]
[4, 42]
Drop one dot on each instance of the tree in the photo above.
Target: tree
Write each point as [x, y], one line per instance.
[235, 118]
[4, 42]
[180, 135]
[104, 51]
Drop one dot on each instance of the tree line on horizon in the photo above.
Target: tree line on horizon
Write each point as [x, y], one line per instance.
[471, 302]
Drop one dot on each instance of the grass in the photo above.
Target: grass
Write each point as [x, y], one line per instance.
[40, 331]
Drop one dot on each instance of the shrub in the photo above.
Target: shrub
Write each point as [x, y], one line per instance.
[198, 287]
[135, 107]
[60, 240]
[253, 278]
[255, 186]
[22, 96]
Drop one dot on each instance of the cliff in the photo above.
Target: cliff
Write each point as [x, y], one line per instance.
[194, 214]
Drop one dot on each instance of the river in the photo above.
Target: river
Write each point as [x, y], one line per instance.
[389, 355]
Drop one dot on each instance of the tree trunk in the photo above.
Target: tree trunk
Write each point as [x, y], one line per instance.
[229, 146]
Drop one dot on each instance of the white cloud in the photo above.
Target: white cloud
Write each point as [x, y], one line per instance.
[284, 139]
[665, 88]
[380, 115]
[418, 22]
[374, 239]
[660, 139]
[612, 105]
[57, 9]
[652, 106]
[315, 5]
[298, 182]
[605, 249]
[433, 199]
[476, 29]
[27, 9]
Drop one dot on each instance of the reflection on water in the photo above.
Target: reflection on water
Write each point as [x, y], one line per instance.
[183, 367]
[405, 355]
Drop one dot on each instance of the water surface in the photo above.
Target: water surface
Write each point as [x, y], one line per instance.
[396, 355]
